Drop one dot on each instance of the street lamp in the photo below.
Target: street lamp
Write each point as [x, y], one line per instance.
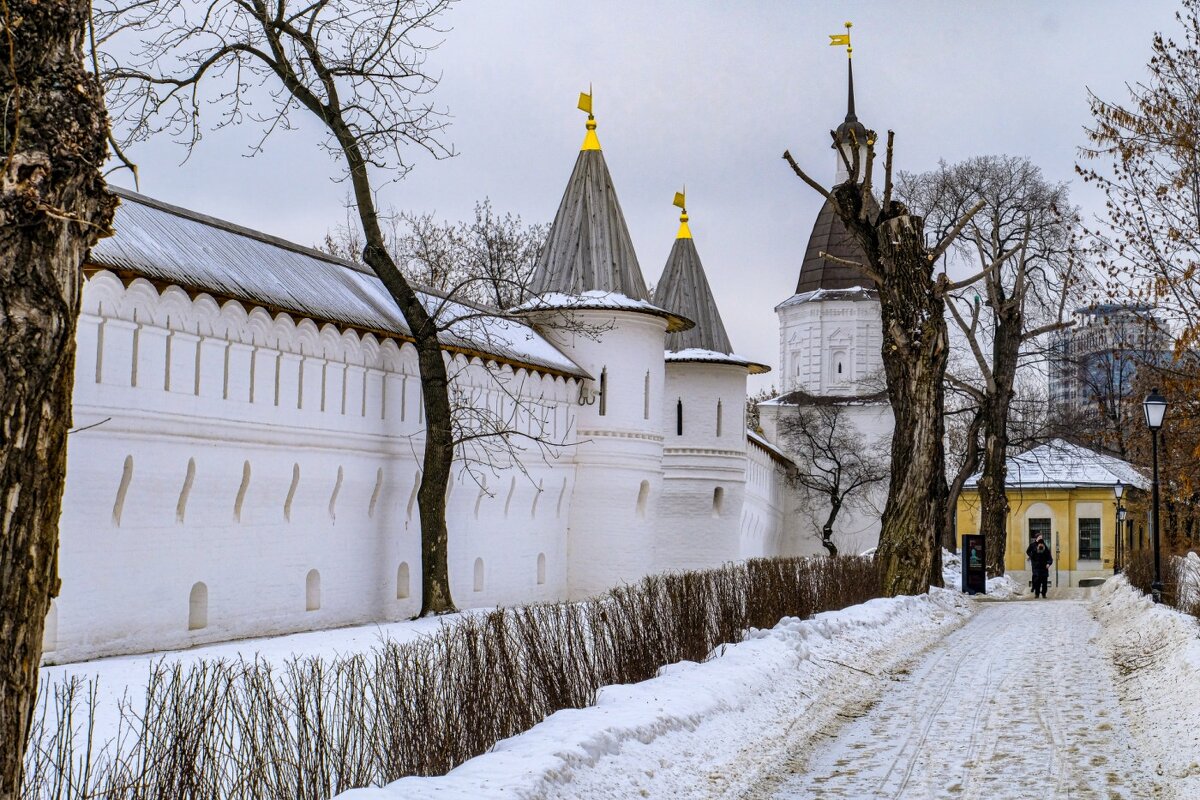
[1118, 490]
[1155, 406]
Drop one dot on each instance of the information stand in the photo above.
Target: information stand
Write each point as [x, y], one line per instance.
[974, 569]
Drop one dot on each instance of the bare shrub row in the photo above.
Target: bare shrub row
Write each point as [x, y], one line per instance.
[1180, 589]
[313, 727]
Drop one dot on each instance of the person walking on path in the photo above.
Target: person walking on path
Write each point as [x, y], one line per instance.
[1039, 557]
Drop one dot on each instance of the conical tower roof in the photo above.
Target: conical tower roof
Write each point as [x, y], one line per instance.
[683, 288]
[589, 248]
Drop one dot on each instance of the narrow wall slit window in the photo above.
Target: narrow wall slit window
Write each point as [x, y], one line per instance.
[679, 417]
[719, 409]
[646, 397]
[603, 391]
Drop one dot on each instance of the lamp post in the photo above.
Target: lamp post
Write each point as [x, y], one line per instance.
[1121, 527]
[1118, 490]
[1155, 407]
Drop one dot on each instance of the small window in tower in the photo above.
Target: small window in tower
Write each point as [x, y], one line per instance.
[646, 397]
[839, 368]
[603, 391]
[679, 417]
[718, 417]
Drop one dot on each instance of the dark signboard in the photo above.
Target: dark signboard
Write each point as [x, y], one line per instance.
[974, 573]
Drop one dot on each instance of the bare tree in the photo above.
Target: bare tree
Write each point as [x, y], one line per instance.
[53, 207]
[488, 261]
[1022, 244]
[915, 352]
[359, 68]
[832, 464]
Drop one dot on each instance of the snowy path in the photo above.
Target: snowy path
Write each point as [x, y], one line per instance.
[1018, 703]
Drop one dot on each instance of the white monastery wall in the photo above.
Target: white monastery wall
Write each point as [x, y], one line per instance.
[763, 531]
[246, 475]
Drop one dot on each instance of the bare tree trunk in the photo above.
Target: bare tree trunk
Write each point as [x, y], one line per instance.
[969, 465]
[835, 505]
[915, 354]
[993, 501]
[53, 208]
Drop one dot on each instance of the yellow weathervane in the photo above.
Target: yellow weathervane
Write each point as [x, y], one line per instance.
[590, 141]
[680, 202]
[842, 40]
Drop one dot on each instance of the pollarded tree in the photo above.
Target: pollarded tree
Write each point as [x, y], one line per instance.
[1022, 242]
[358, 68]
[53, 207]
[915, 352]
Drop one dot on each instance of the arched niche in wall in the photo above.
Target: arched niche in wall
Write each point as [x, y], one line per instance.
[312, 591]
[541, 568]
[643, 498]
[403, 585]
[198, 607]
[478, 583]
[718, 501]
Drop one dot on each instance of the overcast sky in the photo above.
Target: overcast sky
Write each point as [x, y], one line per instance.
[708, 94]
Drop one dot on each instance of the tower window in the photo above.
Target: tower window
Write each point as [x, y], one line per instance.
[679, 417]
[603, 391]
[718, 417]
[646, 397]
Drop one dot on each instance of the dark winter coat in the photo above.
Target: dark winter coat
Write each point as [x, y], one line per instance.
[1039, 556]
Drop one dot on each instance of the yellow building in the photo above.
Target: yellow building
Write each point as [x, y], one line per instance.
[1067, 493]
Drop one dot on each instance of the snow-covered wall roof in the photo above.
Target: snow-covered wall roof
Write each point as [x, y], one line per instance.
[168, 244]
[1059, 464]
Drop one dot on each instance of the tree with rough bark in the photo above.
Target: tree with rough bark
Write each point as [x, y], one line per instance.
[915, 352]
[1144, 154]
[1022, 243]
[359, 68]
[54, 206]
[833, 467]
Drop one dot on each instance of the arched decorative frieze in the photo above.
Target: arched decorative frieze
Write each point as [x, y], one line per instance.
[352, 352]
[261, 328]
[308, 338]
[206, 314]
[232, 323]
[140, 303]
[283, 333]
[104, 295]
[332, 346]
[370, 351]
[175, 311]
[391, 357]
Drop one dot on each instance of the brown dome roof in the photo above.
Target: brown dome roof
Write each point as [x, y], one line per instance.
[829, 235]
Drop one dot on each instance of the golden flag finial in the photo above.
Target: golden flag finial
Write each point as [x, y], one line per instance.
[680, 202]
[842, 40]
[590, 141]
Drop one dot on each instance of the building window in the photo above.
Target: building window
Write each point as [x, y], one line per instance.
[643, 498]
[718, 501]
[1039, 525]
[718, 418]
[679, 417]
[646, 397]
[603, 391]
[1089, 540]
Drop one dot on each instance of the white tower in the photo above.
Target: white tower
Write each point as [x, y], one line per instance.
[704, 454]
[589, 278]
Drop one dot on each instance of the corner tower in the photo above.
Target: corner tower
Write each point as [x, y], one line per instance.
[591, 301]
[704, 454]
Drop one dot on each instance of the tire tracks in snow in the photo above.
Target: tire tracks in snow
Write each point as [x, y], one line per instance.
[1019, 703]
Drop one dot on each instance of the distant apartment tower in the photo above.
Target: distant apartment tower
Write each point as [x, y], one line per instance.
[1094, 363]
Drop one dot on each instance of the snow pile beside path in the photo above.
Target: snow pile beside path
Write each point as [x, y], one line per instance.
[705, 729]
[1157, 651]
[1001, 588]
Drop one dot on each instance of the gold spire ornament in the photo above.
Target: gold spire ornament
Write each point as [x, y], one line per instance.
[590, 141]
[680, 202]
[842, 40]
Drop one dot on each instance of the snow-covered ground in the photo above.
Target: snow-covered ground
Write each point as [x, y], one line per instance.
[931, 696]
[711, 729]
[1001, 588]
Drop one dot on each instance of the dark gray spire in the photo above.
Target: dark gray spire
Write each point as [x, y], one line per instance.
[851, 122]
[684, 290]
[589, 246]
